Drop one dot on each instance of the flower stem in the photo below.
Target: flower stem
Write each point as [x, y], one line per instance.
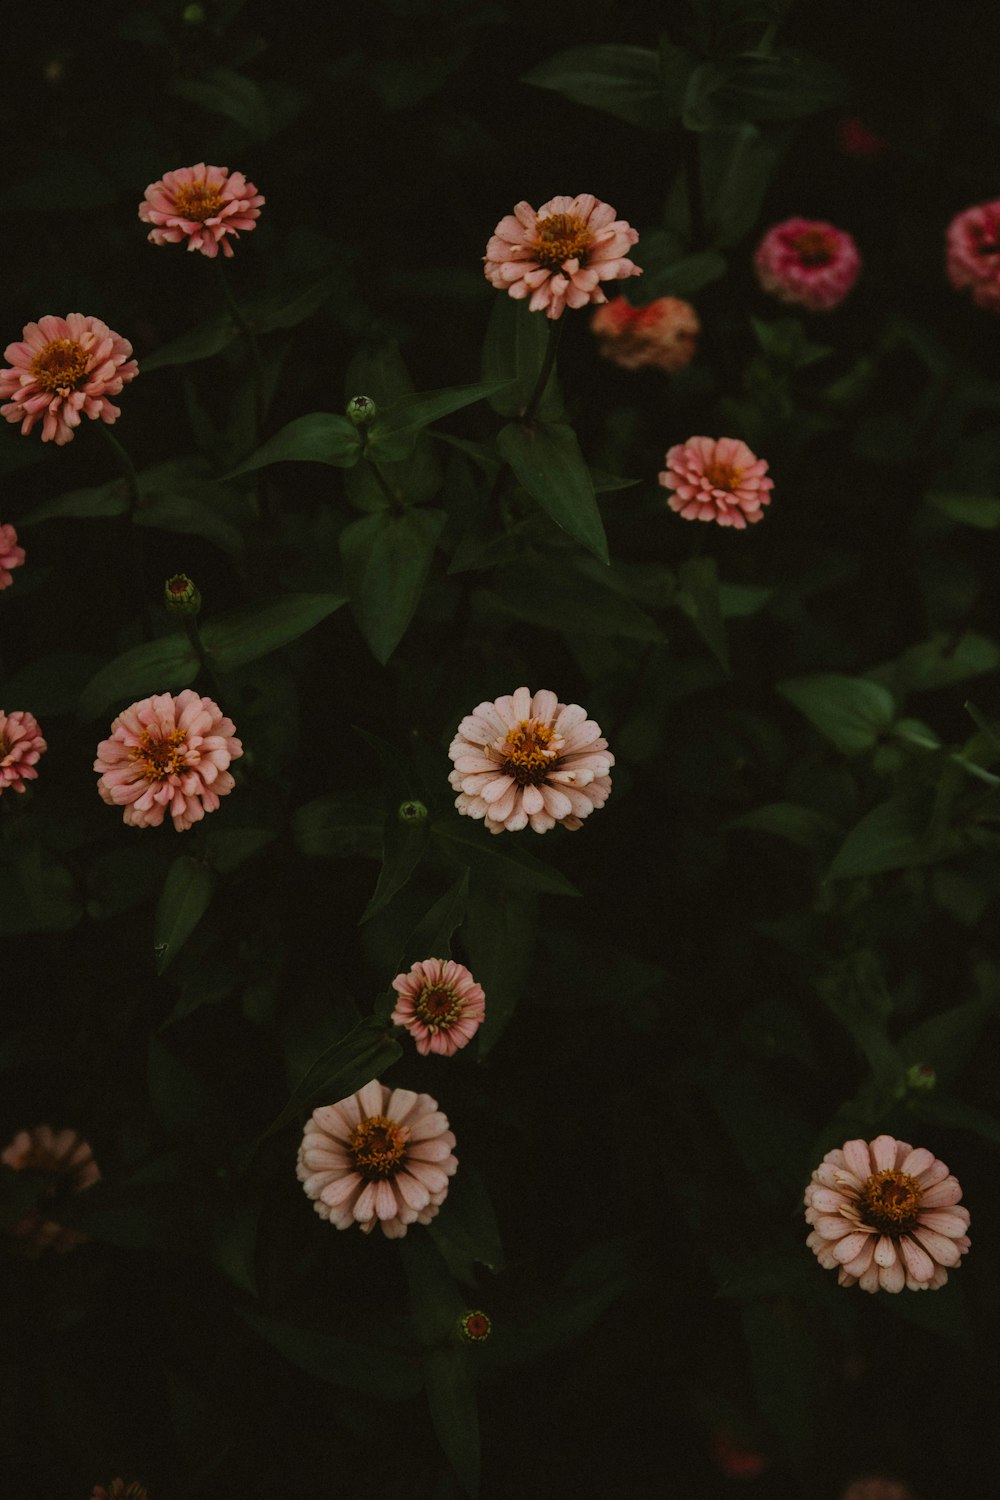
[194, 636]
[548, 364]
[395, 504]
[246, 328]
[125, 464]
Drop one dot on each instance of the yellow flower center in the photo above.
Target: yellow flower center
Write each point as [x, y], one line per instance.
[559, 238]
[60, 366]
[159, 758]
[526, 753]
[723, 476]
[378, 1146]
[198, 201]
[438, 1006]
[890, 1202]
[815, 247]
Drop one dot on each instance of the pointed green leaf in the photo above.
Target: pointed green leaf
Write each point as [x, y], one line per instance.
[385, 1374]
[378, 371]
[981, 511]
[403, 848]
[803, 826]
[499, 936]
[338, 827]
[110, 499]
[513, 354]
[946, 1042]
[624, 81]
[431, 938]
[394, 431]
[547, 460]
[387, 556]
[851, 711]
[891, 837]
[511, 869]
[943, 661]
[189, 888]
[341, 1069]
[233, 640]
[451, 1396]
[670, 270]
[203, 342]
[228, 848]
[158, 666]
[321, 437]
[466, 1231]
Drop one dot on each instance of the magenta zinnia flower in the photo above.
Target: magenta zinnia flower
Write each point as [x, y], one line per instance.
[717, 479]
[808, 262]
[560, 255]
[886, 1215]
[168, 754]
[524, 759]
[69, 1161]
[21, 746]
[203, 205]
[663, 335]
[382, 1156]
[65, 369]
[972, 247]
[440, 1004]
[11, 555]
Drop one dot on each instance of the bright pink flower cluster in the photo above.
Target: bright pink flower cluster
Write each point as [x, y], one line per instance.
[65, 369]
[69, 1161]
[21, 746]
[972, 253]
[717, 479]
[662, 335]
[807, 262]
[559, 255]
[202, 205]
[11, 555]
[440, 1004]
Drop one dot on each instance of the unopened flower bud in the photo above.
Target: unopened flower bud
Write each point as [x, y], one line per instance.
[181, 596]
[361, 410]
[193, 15]
[921, 1077]
[412, 812]
[475, 1327]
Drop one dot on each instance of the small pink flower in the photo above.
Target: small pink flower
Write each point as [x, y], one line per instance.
[877, 1487]
[21, 746]
[382, 1156]
[11, 555]
[440, 1004]
[202, 205]
[65, 369]
[717, 479]
[856, 139]
[663, 334]
[972, 247]
[524, 759]
[808, 262]
[70, 1163]
[168, 754]
[887, 1216]
[560, 255]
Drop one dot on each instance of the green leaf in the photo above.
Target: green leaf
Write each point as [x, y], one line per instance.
[402, 850]
[394, 431]
[451, 1396]
[981, 511]
[803, 826]
[341, 1069]
[851, 711]
[223, 91]
[232, 1241]
[40, 893]
[784, 86]
[431, 938]
[293, 301]
[499, 936]
[321, 437]
[378, 371]
[943, 661]
[593, 1283]
[198, 343]
[179, 1099]
[110, 499]
[51, 684]
[624, 81]
[547, 460]
[233, 640]
[466, 1231]
[387, 556]
[158, 666]
[228, 848]
[946, 1042]
[890, 837]
[736, 166]
[785, 344]
[338, 827]
[189, 887]
[945, 1314]
[385, 1374]
[698, 597]
[586, 607]
[188, 515]
[671, 271]
[122, 879]
[784, 1363]
[513, 354]
[944, 1109]
[510, 869]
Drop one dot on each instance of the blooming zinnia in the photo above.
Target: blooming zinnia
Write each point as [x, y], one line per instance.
[11, 555]
[886, 1215]
[62, 370]
[440, 1004]
[717, 479]
[21, 746]
[382, 1156]
[168, 754]
[203, 205]
[663, 334]
[559, 255]
[69, 1161]
[524, 759]
[972, 253]
[808, 262]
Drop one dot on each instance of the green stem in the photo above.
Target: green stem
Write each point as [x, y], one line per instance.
[125, 464]
[395, 504]
[246, 328]
[548, 364]
[194, 636]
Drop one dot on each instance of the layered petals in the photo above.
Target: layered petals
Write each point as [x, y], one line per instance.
[717, 479]
[67, 1160]
[972, 253]
[808, 263]
[11, 555]
[201, 206]
[440, 1004]
[558, 256]
[21, 746]
[62, 370]
[663, 335]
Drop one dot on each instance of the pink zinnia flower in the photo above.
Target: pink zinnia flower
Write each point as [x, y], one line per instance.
[877, 1487]
[717, 479]
[202, 205]
[524, 759]
[65, 369]
[70, 1163]
[382, 1156]
[11, 555]
[560, 255]
[168, 754]
[440, 1004]
[808, 262]
[886, 1215]
[972, 247]
[21, 746]
[663, 334]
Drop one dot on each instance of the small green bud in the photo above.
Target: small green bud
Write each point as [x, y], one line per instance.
[412, 812]
[181, 596]
[921, 1078]
[475, 1327]
[193, 15]
[361, 410]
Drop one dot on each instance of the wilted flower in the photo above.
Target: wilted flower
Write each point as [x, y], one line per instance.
[808, 262]
[65, 369]
[524, 759]
[440, 1004]
[382, 1156]
[69, 1161]
[168, 754]
[21, 745]
[11, 555]
[876, 1487]
[119, 1490]
[560, 255]
[886, 1215]
[663, 334]
[202, 205]
[972, 253]
[717, 479]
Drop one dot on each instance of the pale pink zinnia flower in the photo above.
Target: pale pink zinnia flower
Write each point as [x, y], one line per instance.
[62, 370]
[21, 746]
[200, 204]
[807, 262]
[168, 754]
[382, 1156]
[717, 479]
[524, 759]
[70, 1163]
[11, 555]
[973, 253]
[560, 255]
[886, 1215]
[663, 334]
[440, 1004]
[877, 1487]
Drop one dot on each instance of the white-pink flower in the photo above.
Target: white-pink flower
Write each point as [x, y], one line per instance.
[440, 1004]
[11, 555]
[807, 262]
[69, 1161]
[64, 369]
[524, 760]
[663, 335]
[168, 754]
[717, 479]
[202, 205]
[382, 1156]
[21, 746]
[886, 1215]
[972, 253]
[559, 255]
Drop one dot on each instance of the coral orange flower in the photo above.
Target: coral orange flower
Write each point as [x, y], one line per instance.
[65, 369]
[21, 747]
[559, 255]
[662, 335]
[201, 205]
[11, 555]
[717, 479]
